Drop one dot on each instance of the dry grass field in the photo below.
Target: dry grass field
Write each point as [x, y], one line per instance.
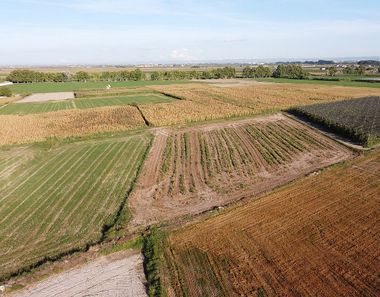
[262, 96]
[193, 169]
[206, 102]
[38, 127]
[316, 237]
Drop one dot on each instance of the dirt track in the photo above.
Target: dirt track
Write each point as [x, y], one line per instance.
[215, 164]
[120, 274]
[42, 97]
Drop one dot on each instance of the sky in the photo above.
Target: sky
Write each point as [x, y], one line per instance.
[55, 32]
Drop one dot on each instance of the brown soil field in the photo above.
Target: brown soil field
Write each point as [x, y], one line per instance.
[193, 169]
[119, 274]
[317, 237]
[206, 102]
[38, 127]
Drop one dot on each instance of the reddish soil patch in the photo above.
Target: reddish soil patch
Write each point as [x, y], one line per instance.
[317, 237]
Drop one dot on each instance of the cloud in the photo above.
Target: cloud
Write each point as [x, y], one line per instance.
[182, 54]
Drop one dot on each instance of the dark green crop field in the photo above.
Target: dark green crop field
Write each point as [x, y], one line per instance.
[357, 119]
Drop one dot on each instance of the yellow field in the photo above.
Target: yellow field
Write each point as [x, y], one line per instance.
[266, 96]
[37, 127]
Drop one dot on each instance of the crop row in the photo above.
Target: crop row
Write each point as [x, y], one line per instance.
[357, 119]
[314, 237]
[64, 198]
[230, 157]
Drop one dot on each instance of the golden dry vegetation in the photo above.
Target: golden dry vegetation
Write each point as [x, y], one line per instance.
[205, 102]
[317, 237]
[192, 108]
[38, 127]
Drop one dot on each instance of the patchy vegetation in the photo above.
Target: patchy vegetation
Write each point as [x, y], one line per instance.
[191, 170]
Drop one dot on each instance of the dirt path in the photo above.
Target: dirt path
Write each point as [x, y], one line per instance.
[120, 274]
[42, 97]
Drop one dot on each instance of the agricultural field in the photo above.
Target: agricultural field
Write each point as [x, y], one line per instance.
[16, 129]
[203, 102]
[357, 119]
[190, 170]
[82, 103]
[46, 87]
[113, 92]
[32, 108]
[60, 200]
[110, 101]
[316, 237]
[348, 82]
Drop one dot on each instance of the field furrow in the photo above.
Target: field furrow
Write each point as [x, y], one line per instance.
[228, 162]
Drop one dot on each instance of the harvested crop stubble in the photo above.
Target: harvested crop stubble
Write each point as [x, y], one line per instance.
[317, 237]
[37, 127]
[191, 170]
[261, 97]
[60, 200]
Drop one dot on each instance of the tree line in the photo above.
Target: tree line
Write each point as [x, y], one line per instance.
[30, 76]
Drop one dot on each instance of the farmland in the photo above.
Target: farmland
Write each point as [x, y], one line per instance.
[47, 87]
[38, 127]
[204, 102]
[34, 108]
[110, 101]
[333, 82]
[30, 108]
[59, 200]
[356, 119]
[190, 170]
[316, 237]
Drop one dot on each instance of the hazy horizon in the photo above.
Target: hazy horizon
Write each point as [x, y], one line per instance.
[115, 32]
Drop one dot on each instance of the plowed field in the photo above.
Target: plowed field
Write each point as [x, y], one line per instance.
[317, 237]
[194, 169]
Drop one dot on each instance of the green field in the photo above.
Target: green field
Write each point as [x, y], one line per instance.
[29, 108]
[72, 86]
[143, 99]
[345, 83]
[32, 108]
[55, 201]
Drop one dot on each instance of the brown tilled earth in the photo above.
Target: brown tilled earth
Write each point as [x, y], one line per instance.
[317, 237]
[215, 164]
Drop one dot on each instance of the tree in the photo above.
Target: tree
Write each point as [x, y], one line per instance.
[289, 71]
[332, 71]
[155, 75]
[82, 76]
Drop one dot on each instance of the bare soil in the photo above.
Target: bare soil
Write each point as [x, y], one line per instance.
[43, 97]
[213, 165]
[119, 274]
